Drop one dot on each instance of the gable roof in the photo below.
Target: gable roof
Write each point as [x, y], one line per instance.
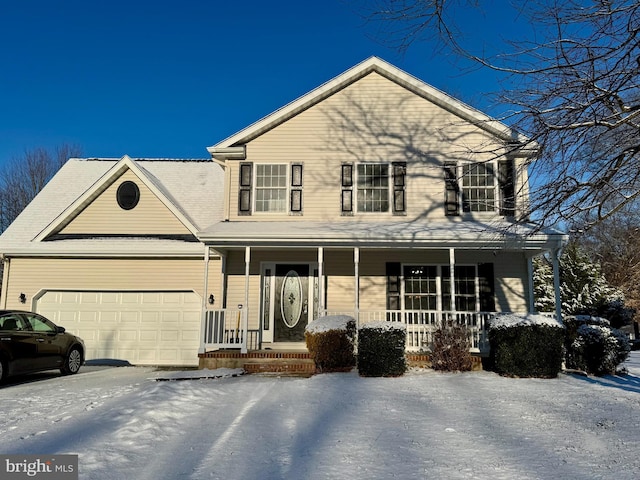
[389, 71]
[186, 187]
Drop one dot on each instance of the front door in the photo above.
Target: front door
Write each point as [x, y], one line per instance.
[291, 302]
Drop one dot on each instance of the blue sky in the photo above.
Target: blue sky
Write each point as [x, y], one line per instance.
[168, 78]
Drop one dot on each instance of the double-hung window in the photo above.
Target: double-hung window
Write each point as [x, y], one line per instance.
[373, 187]
[271, 188]
[480, 187]
[378, 187]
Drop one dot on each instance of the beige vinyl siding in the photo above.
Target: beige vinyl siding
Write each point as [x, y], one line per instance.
[510, 271]
[31, 276]
[372, 120]
[104, 216]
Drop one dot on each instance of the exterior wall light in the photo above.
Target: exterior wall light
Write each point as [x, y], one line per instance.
[211, 299]
[22, 298]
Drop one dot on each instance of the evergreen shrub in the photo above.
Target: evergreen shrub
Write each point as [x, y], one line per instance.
[593, 346]
[526, 345]
[330, 341]
[381, 349]
[450, 350]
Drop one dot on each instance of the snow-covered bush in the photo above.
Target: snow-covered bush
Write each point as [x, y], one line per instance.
[330, 341]
[450, 350]
[381, 349]
[593, 346]
[526, 345]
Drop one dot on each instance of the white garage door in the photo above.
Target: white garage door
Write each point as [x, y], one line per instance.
[143, 328]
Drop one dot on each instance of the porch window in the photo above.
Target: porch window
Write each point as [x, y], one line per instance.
[465, 288]
[420, 287]
[373, 187]
[271, 188]
[428, 287]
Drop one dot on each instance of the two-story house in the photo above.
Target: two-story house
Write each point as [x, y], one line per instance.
[374, 195]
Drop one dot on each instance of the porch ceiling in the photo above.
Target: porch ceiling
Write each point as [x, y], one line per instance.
[408, 234]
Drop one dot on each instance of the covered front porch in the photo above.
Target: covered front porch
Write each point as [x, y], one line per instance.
[276, 277]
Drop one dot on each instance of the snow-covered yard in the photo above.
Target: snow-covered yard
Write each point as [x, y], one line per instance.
[124, 424]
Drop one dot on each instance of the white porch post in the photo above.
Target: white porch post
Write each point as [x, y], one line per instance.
[555, 257]
[205, 288]
[356, 274]
[452, 277]
[245, 312]
[321, 305]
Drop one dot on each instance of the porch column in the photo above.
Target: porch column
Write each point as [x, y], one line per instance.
[356, 274]
[247, 263]
[321, 305]
[452, 277]
[555, 258]
[245, 313]
[205, 289]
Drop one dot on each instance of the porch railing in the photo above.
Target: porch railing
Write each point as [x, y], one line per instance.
[422, 324]
[227, 329]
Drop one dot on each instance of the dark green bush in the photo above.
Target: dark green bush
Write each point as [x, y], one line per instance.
[450, 350]
[381, 349]
[526, 346]
[330, 341]
[593, 346]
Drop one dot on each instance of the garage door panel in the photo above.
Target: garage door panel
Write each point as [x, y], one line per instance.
[152, 328]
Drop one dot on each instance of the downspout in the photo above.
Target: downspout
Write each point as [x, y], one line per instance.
[530, 290]
[356, 273]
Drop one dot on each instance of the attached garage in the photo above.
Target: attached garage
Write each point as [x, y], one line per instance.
[141, 327]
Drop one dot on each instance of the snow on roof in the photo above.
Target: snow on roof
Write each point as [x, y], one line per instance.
[476, 234]
[191, 185]
[509, 320]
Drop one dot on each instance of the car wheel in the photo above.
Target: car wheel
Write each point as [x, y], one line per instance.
[3, 371]
[72, 363]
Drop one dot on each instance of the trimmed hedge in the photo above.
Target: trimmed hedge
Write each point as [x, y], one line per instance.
[381, 349]
[330, 341]
[526, 346]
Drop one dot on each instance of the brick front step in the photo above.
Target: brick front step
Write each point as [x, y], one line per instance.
[288, 362]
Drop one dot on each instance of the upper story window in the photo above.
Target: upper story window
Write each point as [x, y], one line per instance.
[270, 188]
[479, 189]
[373, 187]
[379, 187]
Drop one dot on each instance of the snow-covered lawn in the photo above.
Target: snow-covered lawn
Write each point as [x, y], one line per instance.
[124, 424]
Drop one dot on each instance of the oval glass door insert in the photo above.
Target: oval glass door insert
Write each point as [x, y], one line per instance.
[291, 299]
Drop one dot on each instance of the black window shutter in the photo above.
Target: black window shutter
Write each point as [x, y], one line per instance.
[244, 196]
[452, 190]
[486, 282]
[506, 181]
[399, 183]
[296, 189]
[393, 285]
[346, 197]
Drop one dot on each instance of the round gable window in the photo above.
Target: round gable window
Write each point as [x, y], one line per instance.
[128, 195]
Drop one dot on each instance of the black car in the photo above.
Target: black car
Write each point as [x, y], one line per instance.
[31, 343]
